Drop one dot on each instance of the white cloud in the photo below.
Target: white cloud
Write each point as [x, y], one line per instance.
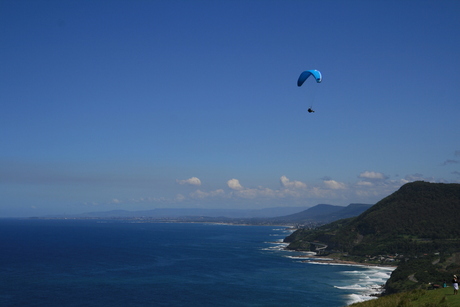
[190, 181]
[255, 193]
[334, 185]
[234, 184]
[419, 177]
[285, 182]
[198, 194]
[365, 183]
[403, 181]
[180, 197]
[372, 175]
[369, 187]
[247, 193]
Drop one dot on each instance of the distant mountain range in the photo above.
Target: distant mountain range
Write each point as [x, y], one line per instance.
[174, 213]
[322, 213]
[290, 215]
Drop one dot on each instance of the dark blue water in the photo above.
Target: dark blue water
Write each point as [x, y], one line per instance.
[97, 263]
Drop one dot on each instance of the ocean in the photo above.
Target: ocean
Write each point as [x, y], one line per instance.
[116, 263]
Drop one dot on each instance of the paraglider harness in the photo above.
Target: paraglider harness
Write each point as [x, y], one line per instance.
[310, 110]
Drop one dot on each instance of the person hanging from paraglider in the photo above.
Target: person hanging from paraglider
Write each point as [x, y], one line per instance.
[304, 76]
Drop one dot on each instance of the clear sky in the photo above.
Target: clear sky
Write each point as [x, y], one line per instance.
[143, 104]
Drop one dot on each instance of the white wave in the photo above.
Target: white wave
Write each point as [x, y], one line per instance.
[280, 242]
[284, 229]
[316, 261]
[277, 242]
[273, 248]
[365, 284]
[304, 256]
[298, 257]
[385, 275]
[353, 287]
[356, 298]
[352, 272]
[370, 277]
[278, 246]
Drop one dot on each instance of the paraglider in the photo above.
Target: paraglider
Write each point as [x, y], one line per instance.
[305, 75]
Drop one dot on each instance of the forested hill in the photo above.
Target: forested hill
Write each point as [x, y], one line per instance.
[417, 228]
[422, 209]
[412, 220]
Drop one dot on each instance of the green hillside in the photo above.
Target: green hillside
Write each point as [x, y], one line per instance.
[416, 298]
[417, 228]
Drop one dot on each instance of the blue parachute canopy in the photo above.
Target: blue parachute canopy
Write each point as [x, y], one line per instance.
[304, 76]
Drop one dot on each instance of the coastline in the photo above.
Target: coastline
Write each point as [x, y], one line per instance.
[367, 288]
[361, 292]
[336, 261]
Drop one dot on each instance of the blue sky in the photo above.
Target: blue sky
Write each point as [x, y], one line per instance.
[138, 105]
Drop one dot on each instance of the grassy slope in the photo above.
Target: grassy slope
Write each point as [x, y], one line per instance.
[416, 298]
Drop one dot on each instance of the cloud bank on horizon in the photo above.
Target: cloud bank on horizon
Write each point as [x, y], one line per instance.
[369, 187]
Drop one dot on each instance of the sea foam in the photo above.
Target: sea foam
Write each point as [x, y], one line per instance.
[369, 283]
